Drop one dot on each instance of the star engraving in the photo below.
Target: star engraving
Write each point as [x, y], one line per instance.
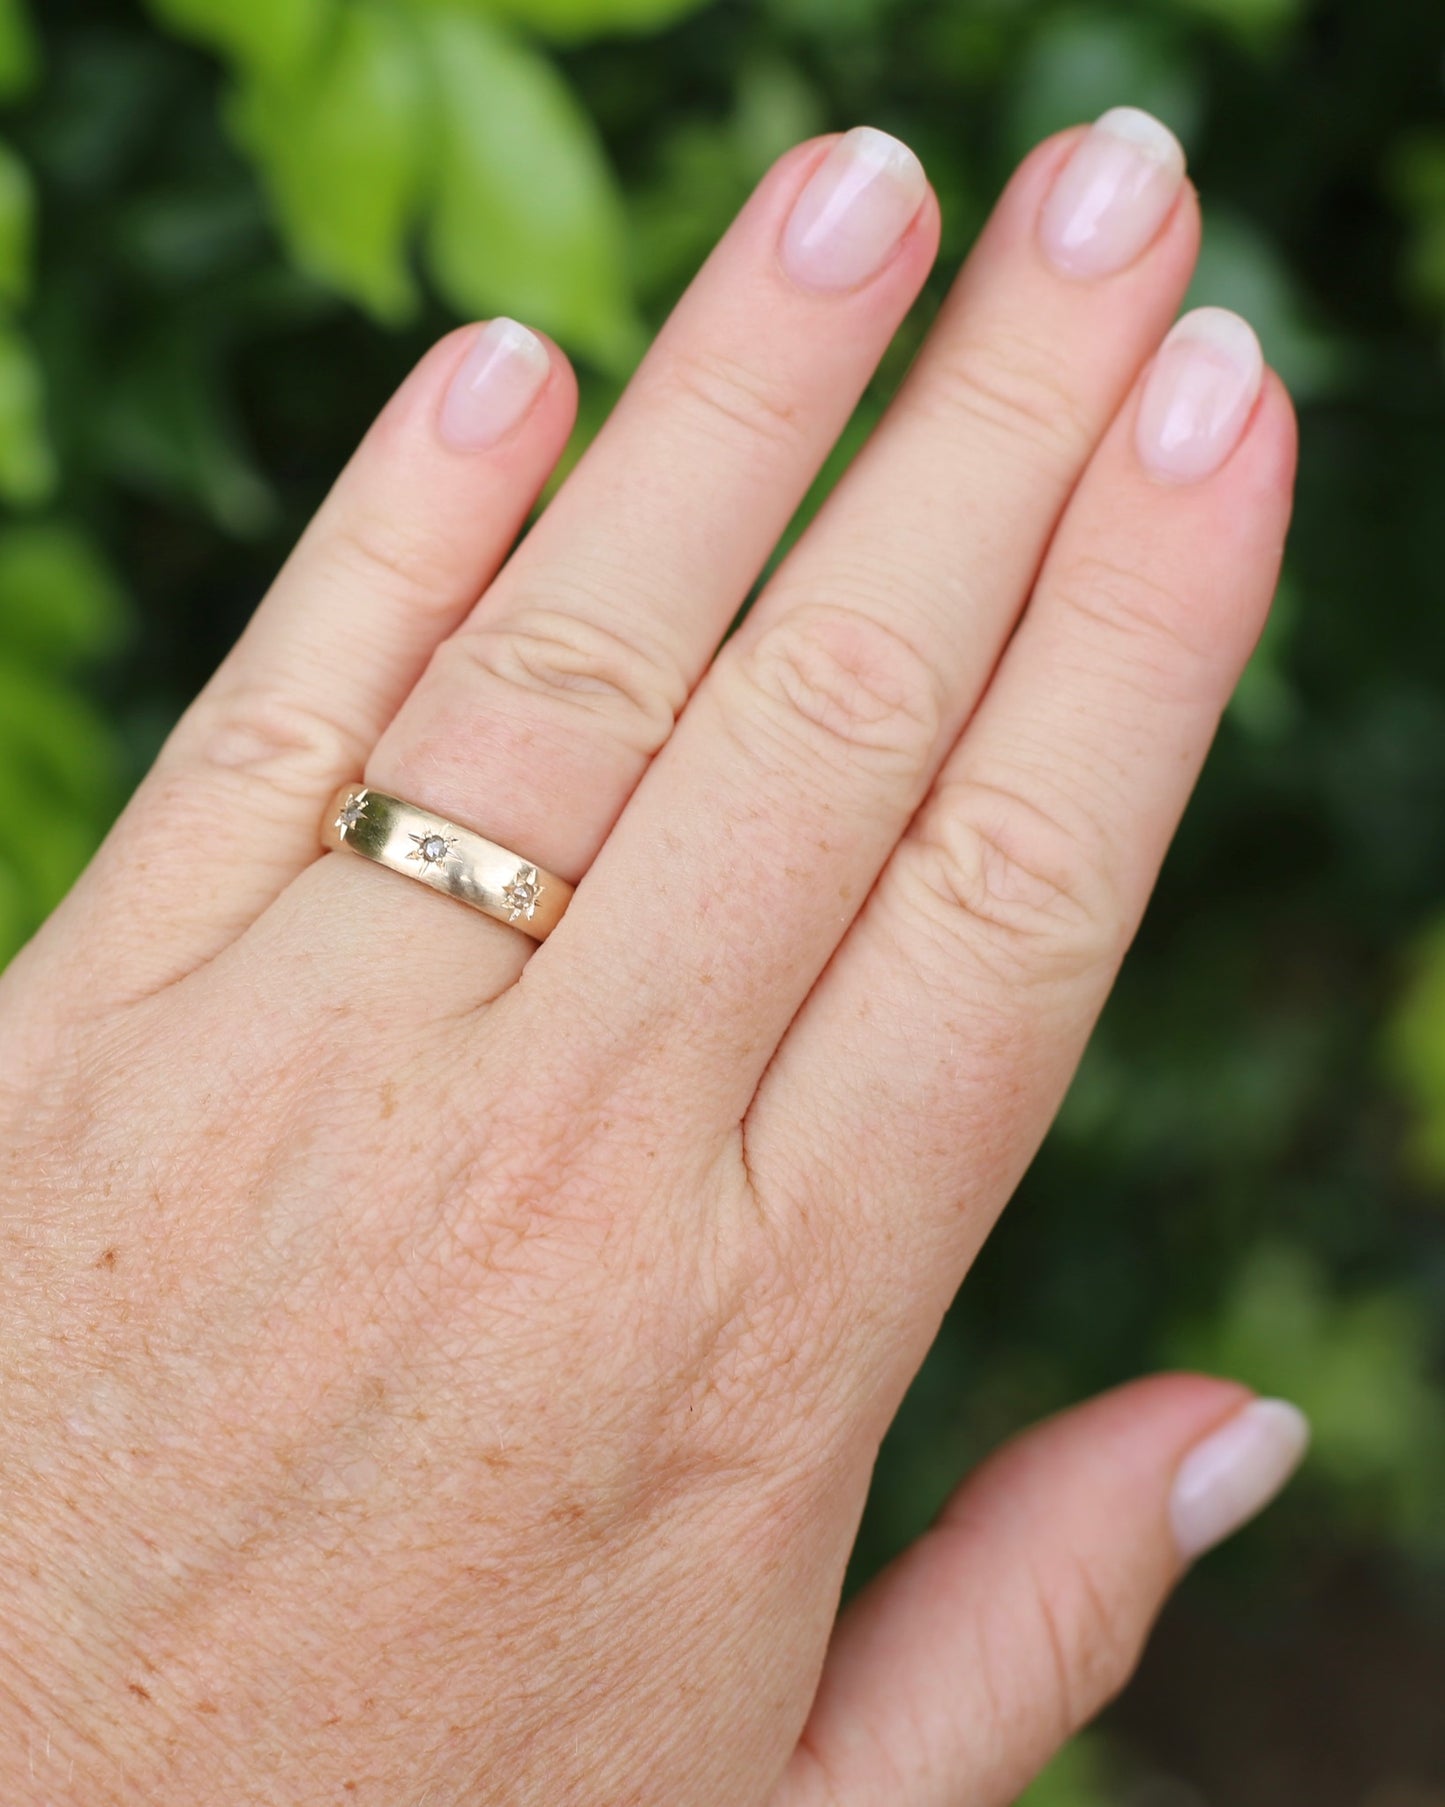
[521, 895]
[351, 812]
[432, 849]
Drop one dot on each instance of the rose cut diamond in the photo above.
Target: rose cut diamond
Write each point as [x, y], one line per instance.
[432, 849]
[521, 895]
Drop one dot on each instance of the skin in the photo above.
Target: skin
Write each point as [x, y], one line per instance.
[430, 1380]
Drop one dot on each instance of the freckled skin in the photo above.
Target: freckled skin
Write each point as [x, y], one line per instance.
[338, 1534]
[441, 1370]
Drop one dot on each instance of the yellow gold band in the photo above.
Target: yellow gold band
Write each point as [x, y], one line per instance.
[454, 860]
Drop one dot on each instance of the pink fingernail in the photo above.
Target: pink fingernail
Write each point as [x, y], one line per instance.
[1234, 1474]
[500, 378]
[1112, 196]
[849, 221]
[1199, 395]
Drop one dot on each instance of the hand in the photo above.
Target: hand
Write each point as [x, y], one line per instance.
[431, 1377]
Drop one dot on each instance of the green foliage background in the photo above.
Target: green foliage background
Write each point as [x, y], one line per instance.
[225, 231]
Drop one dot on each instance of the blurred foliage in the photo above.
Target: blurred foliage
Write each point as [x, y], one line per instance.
[373, 122]
[1080, 1776]
[226, 230]
[59, 604]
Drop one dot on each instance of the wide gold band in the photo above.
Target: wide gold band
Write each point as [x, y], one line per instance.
[451, 859]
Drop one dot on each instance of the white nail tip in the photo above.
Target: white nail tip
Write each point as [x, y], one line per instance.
[866, 141]
[1145, 132]
[514, 340]
[1234, 1473]
[869, 149]
[1225, 332]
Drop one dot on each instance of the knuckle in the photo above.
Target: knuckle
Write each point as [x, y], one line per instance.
[1093, 1640]
[291, 744]
[1137, 623]
[1015, 388]
[1022, 889]
[395, 558]
[851, 685]
[581, 667]
[731, 400]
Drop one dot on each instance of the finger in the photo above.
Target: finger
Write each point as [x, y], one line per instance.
[810, 745]
[936, 1050]
[414, 529]
[969, 1662]
[534, 722]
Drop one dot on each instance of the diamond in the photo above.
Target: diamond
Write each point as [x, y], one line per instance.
[521, 895]
[352, 811]
[431, 849]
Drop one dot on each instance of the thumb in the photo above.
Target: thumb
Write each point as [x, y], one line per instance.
[969, 1661]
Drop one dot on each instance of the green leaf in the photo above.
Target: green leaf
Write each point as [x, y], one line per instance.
[528, 219]
[574, 20]
[59, 601]
[17, 229]
[269, 38]
[28, 473]
[343, 148]
[19, 50]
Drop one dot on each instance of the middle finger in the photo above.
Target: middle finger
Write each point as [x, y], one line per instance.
[758, 832]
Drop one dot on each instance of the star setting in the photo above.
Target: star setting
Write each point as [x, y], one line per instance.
[352, 812]
[432, 849]
[521, 895]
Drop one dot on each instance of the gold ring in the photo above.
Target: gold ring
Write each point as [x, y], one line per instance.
[454, 860]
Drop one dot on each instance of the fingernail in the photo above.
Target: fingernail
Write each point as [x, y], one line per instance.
[850, 219]
[501, 376]
[1112, 196]
[1234, 1474]
[1199, 395]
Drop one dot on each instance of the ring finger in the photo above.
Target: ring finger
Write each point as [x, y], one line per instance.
[534, 722]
